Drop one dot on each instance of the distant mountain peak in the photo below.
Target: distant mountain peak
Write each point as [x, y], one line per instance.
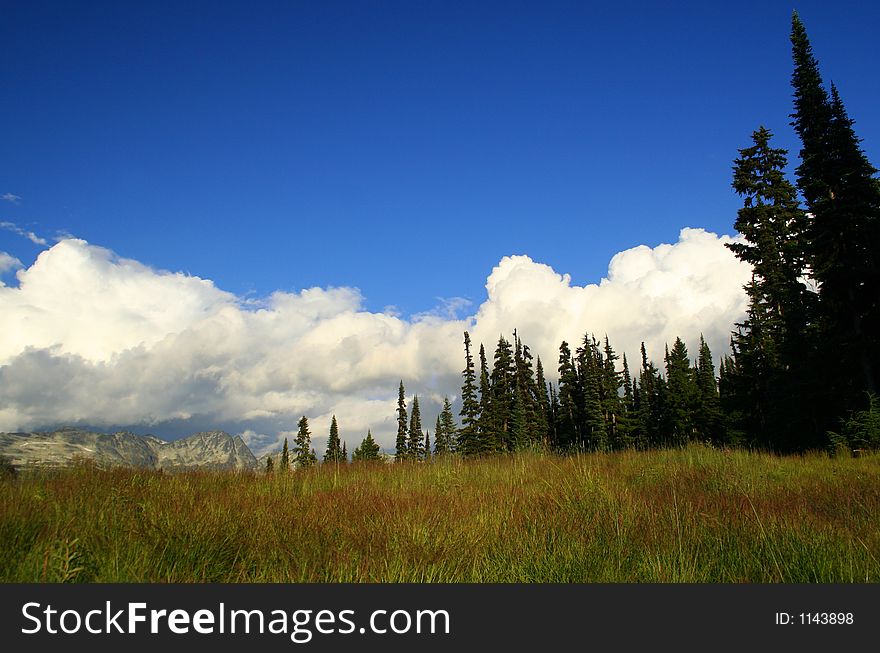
[209, 450]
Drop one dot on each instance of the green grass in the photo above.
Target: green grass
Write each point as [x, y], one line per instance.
[690, 515]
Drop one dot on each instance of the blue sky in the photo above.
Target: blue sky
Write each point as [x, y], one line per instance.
[409, 149]
[399, 147]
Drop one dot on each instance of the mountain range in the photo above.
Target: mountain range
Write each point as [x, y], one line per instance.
[209, 450]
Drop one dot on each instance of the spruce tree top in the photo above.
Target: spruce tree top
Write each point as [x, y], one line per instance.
[334, 448]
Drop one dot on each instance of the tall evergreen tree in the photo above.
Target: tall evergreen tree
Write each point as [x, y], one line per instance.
[333, 454]
[774, 348]
[536, 399]
[344, 453]
[569, 397]
[444, 433]
[544, 426]
[426, 446]
[843, 236]
[402, 452]
[612, 408]
[627, 428]
[503, 395]
[708, 420]
[681, 393]
[304, 455]
[522, 414]
[270, 465]
[416, 443]
[285, 458]
[590, 369]
[470, 405]
[486, 440]
[651, 403]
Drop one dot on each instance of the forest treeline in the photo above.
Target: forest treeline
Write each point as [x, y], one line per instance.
[802, 372]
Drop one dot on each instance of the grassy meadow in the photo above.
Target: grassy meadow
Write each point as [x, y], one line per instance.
[688, 515]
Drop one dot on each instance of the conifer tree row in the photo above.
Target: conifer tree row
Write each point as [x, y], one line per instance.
[599, 406]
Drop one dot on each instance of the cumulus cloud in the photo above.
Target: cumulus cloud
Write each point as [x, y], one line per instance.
[30, 235]
[650, 294]
[92, 338]
[8, 262]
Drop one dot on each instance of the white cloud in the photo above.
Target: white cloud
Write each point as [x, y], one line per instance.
[93, 338]
[30, 235]
[447, 307]
[8, 262]
[82, 299]
[9, 197]
[650, 294]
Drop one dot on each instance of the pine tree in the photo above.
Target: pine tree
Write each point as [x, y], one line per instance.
[612, 408]
[503, 395]
[444, 432]
[270, 465]
[589, 369]
[774, 347]
[304, 455]
[651, 403]
[402, 441]
[368, 451]
[285, 458]
[811, 117]
[426, 446]
[333, 454]
[470, 405]
[849, 272]
[529, 396]
[627, 431]
[569, 397]
[544, 425]
[344, 453]
[708, 420]
[416, 444]
[681, 393]
[521, 414]
[486, 440]
[843, 236]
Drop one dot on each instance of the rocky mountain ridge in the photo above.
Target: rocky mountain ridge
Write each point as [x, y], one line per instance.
[208, 450]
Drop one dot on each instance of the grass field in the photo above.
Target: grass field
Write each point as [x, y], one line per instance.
[690, 515]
